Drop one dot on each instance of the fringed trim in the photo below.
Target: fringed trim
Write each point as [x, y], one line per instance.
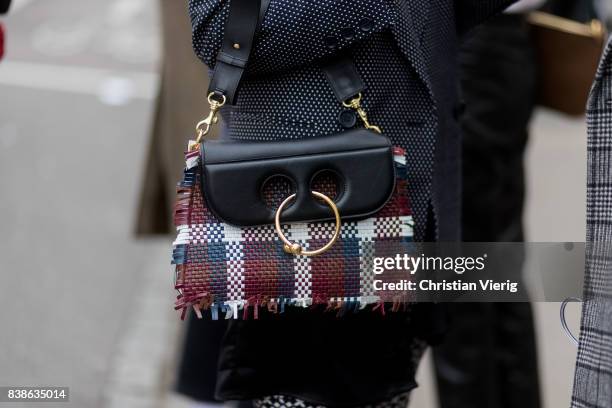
[182, 217]
[251, 307]
[399, 158]
[399, 155]
[192, 159]
[183, 204]
[186, 187]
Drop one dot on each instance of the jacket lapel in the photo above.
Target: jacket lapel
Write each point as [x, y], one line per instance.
[409, 31]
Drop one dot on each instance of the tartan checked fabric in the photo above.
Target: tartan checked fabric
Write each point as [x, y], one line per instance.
[232, 270]
[593, 375]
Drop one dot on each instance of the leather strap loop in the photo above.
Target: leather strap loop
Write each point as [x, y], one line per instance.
[344, 78]
[236, 49]
[231, 60]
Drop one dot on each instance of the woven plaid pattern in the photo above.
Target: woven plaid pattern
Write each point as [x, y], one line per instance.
[593, 375]
[237, 269]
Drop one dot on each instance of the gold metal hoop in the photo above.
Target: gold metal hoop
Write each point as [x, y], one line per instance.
[212, 100]
[296, 249]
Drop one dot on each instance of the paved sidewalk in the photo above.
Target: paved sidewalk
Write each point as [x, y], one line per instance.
[73, 131]
[143, 362]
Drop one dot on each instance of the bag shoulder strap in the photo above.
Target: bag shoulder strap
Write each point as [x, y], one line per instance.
[236, 48]
[242, 23]
[241, 26]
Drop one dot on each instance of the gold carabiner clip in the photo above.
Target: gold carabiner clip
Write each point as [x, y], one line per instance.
[204, 126]
[355, 104]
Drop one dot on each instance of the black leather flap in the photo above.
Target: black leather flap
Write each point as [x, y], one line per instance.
[234, 174]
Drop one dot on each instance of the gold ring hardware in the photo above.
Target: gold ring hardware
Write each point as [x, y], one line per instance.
[296, 249]
[355, 104]
[204, 126]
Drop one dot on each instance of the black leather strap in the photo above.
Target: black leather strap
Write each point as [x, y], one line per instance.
[236, 49]
[344, 78]
[242, 23]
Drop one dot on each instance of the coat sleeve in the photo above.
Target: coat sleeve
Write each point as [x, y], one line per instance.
[4, 6]
[293, 32]
[470, 13]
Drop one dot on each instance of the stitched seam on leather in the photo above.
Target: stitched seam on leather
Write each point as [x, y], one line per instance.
[207, 194]
[291, 156]
[260, 117]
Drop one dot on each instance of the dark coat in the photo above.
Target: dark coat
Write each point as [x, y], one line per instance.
[498, 366]
[406, 52]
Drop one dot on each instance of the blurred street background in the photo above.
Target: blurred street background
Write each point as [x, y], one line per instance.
[85, 304]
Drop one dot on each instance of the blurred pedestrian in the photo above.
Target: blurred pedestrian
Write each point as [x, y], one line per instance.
[180, 105]
[499, 70]
[488, 358]
[4, 6]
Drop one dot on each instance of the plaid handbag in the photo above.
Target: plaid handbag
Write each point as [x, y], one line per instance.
[343, 200]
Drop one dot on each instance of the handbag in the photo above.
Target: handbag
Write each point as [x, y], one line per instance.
[266, 225]
[567, 54]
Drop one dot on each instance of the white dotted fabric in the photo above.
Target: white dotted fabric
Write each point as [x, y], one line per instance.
[289, 25]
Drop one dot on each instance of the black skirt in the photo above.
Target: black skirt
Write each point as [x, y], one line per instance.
[361, 358]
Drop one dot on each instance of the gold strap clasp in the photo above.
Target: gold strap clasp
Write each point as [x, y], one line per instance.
[355, 104]
[296, 249]
[204, 126]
